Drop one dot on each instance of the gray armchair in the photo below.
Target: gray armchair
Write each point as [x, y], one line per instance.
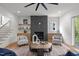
[57, 39]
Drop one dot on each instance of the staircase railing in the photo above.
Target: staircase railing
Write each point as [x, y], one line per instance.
[4, 35]
[4, 25]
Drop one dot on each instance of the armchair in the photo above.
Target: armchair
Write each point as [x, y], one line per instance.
[22, 40]
[57, 39]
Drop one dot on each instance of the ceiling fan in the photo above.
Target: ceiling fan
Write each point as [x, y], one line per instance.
[40, 4]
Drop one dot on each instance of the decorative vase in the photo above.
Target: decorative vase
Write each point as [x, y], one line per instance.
[34, 38]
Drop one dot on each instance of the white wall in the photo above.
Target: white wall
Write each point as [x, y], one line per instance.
[67, 26]
[13, 23]
[51, 20]
[20, 19]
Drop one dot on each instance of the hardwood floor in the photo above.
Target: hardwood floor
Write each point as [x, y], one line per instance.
[13, 45]
[20, 50]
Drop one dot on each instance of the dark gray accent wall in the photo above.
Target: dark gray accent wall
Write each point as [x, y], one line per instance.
[39, 24]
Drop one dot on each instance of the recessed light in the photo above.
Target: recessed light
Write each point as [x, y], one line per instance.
[18, 11]
[59, 12]
[39, 23]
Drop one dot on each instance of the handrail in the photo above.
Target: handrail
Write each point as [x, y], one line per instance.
[4, 25]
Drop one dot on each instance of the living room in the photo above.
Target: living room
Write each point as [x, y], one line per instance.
[38, 29]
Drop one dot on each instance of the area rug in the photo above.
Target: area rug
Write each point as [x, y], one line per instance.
[22, 51]
[57, 50]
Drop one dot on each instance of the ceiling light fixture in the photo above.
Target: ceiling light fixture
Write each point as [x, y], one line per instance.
[43, 4]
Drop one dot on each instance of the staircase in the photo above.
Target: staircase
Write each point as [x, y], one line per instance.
[5, 35]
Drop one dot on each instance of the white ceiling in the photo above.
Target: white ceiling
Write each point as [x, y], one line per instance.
[53, 10]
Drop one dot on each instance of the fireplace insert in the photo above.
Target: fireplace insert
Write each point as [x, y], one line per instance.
[40, 35]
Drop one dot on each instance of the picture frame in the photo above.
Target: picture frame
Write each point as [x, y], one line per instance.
[53, 26]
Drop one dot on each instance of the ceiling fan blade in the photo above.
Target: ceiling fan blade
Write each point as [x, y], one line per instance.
[29, 4]
[37, 6]
[44, 6]
[54, 3]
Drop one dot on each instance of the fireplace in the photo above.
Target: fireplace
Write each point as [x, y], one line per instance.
[40, 35]
[39, 27]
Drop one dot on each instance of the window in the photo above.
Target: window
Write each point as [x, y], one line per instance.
[76, 24]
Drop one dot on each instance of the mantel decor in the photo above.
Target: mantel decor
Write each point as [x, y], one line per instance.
[25, 21]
